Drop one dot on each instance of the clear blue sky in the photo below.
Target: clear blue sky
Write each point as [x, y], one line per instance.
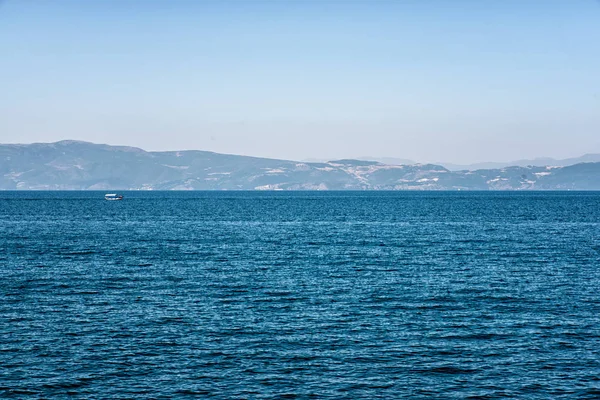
[430, 80]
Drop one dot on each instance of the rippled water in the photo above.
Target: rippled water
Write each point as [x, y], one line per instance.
[299, 295]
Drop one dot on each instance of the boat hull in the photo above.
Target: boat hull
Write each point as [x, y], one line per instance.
[113, 197]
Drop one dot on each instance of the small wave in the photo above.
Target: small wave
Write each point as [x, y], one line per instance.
[65, 385]
[193, 392]
[12, 391]
[79, 253]
[446, 370]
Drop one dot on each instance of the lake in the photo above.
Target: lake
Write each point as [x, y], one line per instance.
[300, 295]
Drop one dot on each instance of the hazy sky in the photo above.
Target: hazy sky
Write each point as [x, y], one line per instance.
[429, 80]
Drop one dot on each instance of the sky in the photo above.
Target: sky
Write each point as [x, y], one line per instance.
[457, 81]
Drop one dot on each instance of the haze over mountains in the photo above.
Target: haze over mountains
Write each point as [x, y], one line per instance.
[75, 165]
[538, 162]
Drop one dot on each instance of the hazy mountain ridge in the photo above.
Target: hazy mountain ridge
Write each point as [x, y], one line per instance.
[74, 165]
[536, 162]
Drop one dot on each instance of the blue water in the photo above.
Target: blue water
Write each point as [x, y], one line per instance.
[300, 295]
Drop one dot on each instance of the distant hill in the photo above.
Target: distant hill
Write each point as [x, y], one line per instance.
[75, 165]
[537, 162]
[389, 160]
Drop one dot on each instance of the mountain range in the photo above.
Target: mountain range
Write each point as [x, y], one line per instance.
[76, 165]
[537, 162]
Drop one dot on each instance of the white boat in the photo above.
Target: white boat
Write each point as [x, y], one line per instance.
[113, 196]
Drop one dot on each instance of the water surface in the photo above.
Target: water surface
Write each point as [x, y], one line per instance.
[300, 295]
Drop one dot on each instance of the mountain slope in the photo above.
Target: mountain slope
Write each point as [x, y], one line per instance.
[73, 165]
